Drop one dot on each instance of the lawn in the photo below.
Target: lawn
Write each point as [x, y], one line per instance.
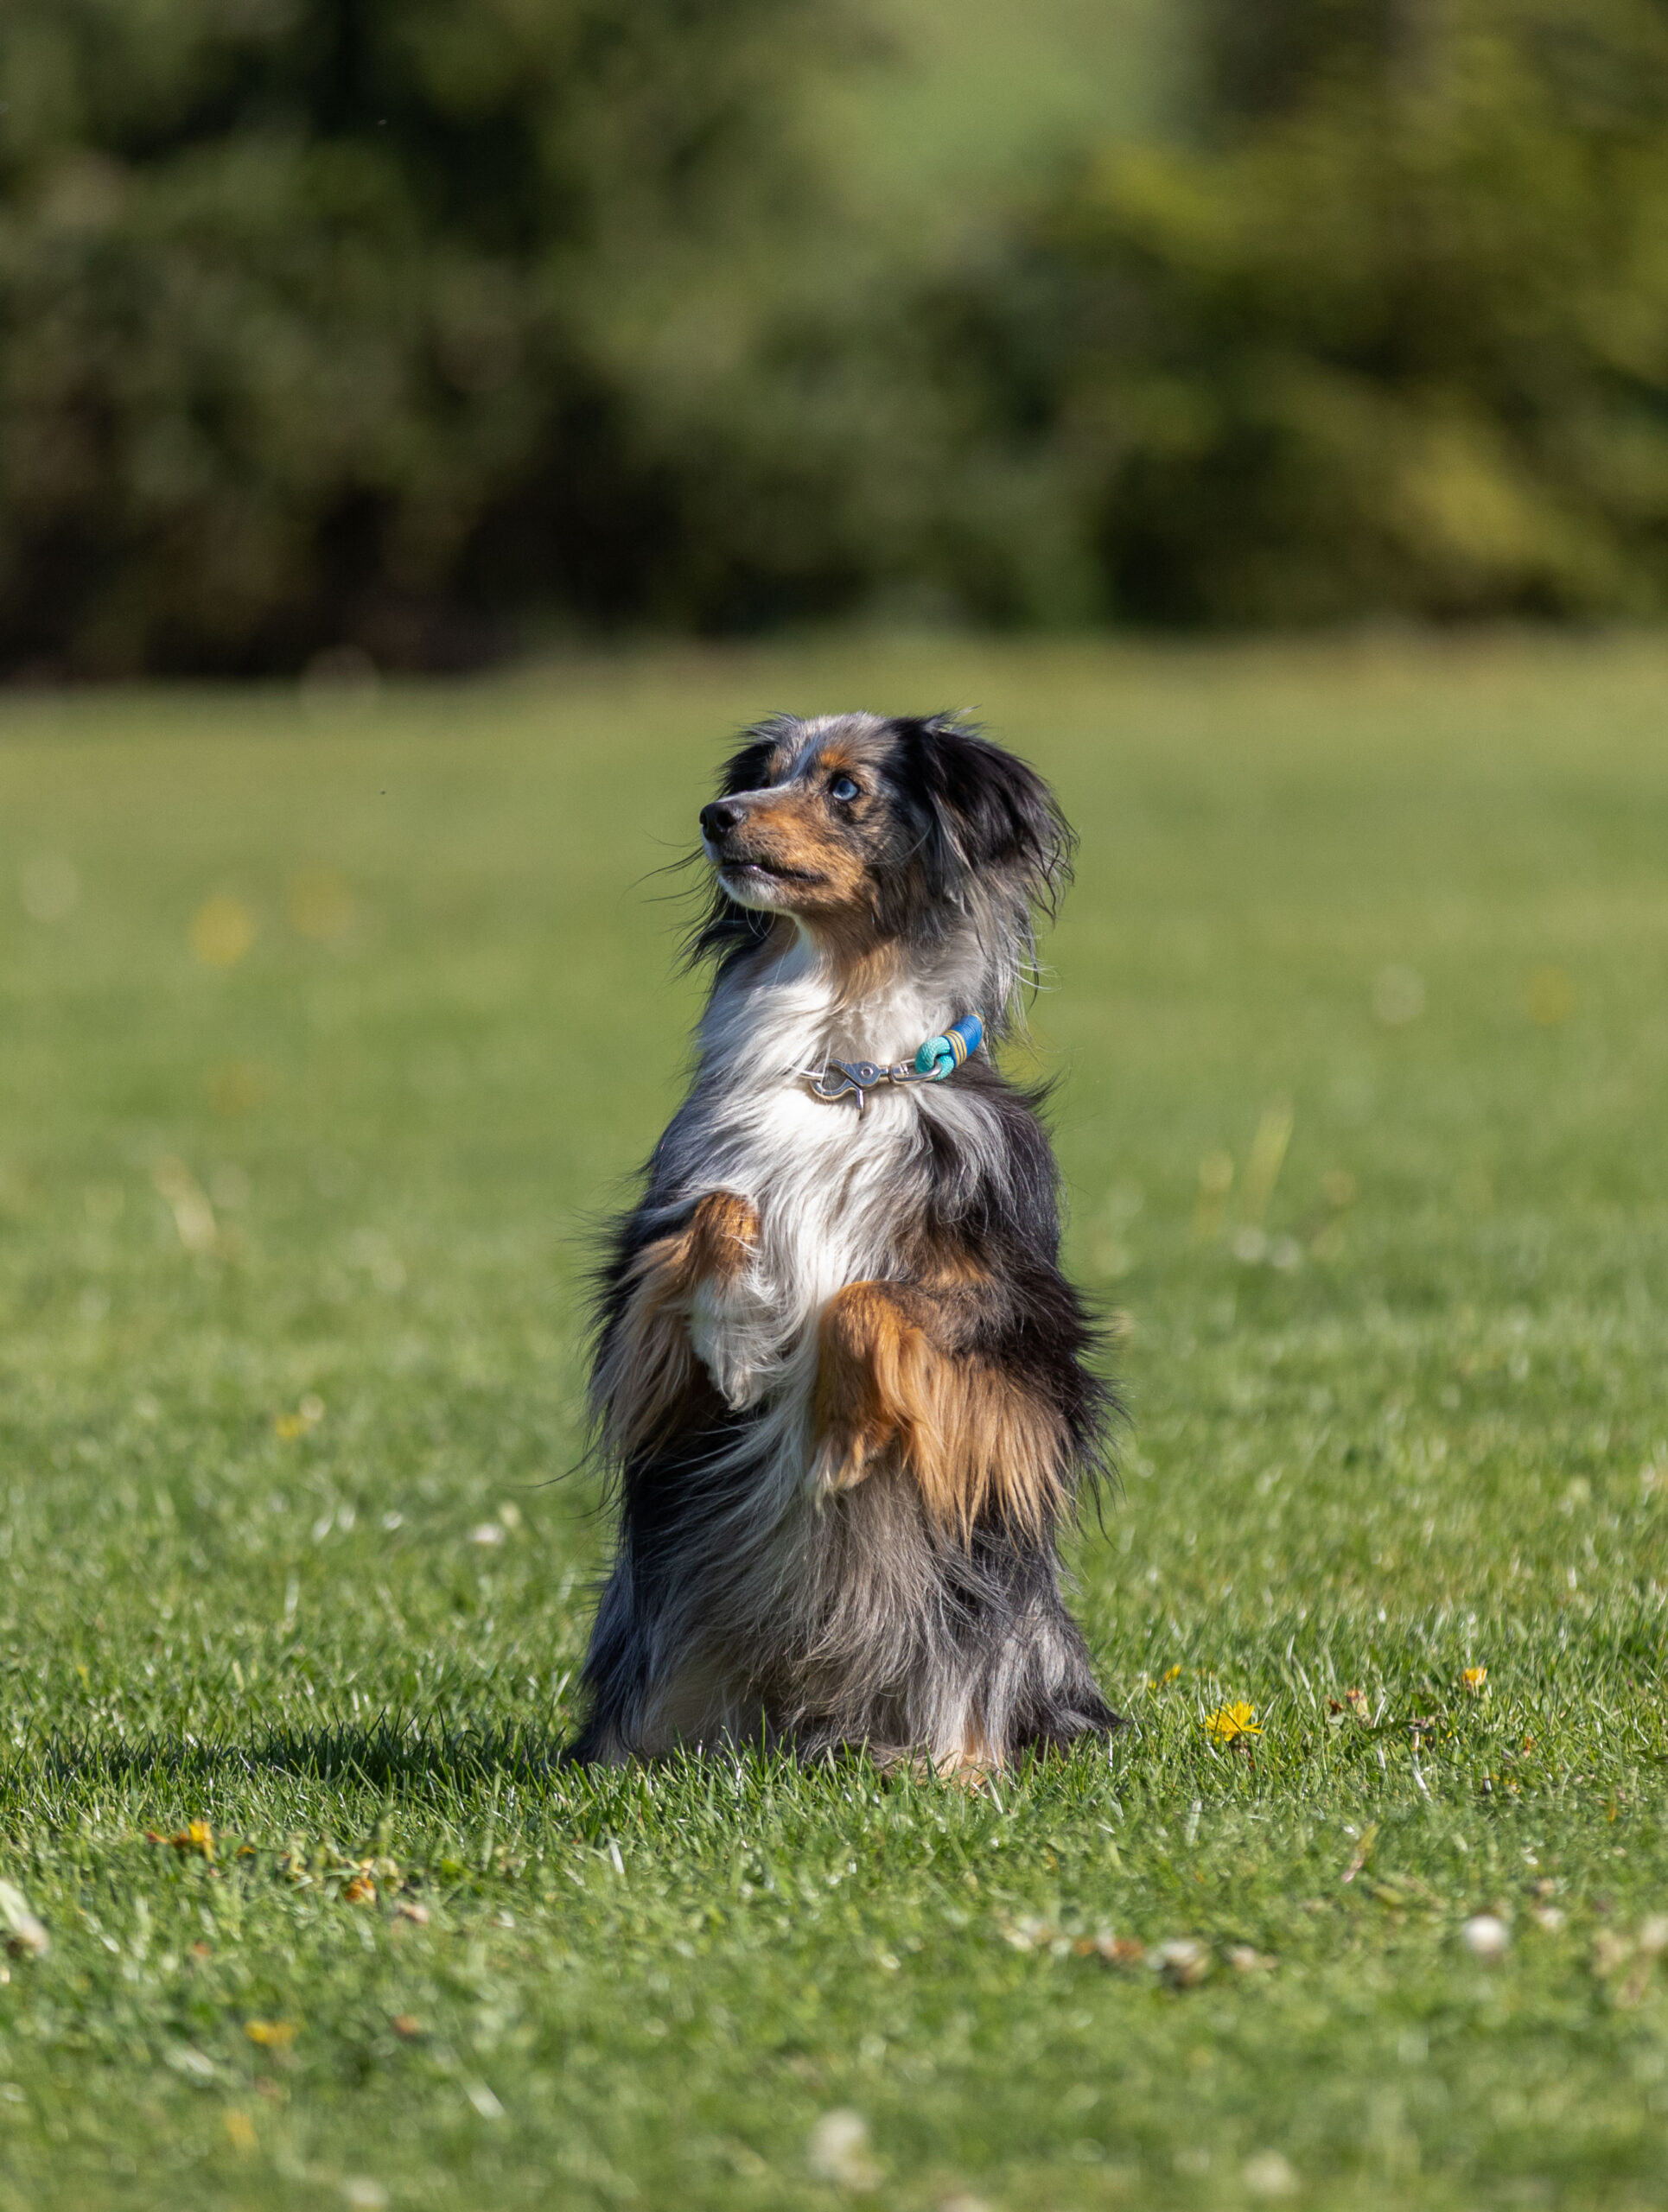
[328, 1025]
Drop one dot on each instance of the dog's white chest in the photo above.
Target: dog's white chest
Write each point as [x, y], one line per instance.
[832, 1188]
[836, 1191]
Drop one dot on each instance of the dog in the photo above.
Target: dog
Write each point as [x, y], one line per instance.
[840, 1380]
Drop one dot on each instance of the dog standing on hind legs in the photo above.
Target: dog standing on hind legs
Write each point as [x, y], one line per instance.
[840, 1378]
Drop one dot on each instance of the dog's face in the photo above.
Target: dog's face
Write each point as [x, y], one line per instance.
[855, 823]
[805, 827]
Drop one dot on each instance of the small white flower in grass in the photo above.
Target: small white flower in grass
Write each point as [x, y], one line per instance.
[1183, 1961]
[839, 2152]
[1267, 2174]
[1486, 1936]
[1245, 1958]
[25, 1936]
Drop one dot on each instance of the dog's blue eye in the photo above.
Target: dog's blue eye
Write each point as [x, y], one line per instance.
[843, 788]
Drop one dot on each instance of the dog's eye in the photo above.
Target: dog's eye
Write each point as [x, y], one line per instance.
[842, 789]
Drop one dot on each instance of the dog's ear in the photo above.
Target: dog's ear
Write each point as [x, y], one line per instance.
[990, 813]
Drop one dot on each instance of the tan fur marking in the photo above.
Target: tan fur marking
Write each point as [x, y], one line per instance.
[789, 826]
[947, 1266]
[887, 1394]
[863, 964]
[975, 1761]
[792, 832]
[650, 1378]
[722, 1238]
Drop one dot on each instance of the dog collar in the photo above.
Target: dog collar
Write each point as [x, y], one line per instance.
[938, 1058]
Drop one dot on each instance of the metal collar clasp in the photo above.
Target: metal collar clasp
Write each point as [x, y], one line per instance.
[856, 1078]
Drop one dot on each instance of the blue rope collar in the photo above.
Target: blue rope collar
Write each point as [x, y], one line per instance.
[938, 1058]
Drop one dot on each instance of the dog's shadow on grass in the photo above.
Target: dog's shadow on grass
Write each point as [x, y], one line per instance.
[392, 1757]
[446, 1761]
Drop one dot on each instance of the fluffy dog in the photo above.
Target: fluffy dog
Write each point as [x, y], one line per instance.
[839, 1375]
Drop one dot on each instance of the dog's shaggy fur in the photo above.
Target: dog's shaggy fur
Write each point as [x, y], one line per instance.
[839, 1374]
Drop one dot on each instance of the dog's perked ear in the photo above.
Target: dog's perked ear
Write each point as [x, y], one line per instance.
[989, 814]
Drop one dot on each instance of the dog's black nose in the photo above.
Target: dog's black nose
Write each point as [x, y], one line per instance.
[720, 819]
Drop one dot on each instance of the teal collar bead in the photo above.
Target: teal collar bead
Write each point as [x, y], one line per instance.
[941, 1055]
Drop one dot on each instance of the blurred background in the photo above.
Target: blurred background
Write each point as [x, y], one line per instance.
[674, 361]
[434, 332]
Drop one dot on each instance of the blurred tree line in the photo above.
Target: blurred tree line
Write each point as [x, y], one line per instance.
[410, 323]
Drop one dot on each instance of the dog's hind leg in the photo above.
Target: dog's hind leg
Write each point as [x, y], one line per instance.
[616, 1674]
[648, 1697]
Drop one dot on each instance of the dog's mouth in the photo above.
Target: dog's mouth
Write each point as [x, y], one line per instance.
[747, 871]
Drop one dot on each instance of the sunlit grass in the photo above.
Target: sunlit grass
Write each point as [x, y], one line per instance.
[322, 1044]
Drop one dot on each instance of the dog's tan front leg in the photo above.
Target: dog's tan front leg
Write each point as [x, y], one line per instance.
[730, 1318]
[896, 1386]
[873, 1402]
[721, 1240]
[649, 1374]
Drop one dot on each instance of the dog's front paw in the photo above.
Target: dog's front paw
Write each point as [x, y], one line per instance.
[729, 1330]
[842, 1460]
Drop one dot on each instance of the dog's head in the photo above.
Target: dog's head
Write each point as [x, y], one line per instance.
[870, 831]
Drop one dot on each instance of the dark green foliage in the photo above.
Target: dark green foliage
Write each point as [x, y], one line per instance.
[416, 325]
[305, 313]
[1393, 334]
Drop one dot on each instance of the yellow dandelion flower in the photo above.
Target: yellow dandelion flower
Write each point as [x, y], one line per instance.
[197, 1838]
[1230, 1722]
[1475, 1680]
[222, 930]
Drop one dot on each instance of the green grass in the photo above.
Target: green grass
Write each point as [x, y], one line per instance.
[1404, 1418]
